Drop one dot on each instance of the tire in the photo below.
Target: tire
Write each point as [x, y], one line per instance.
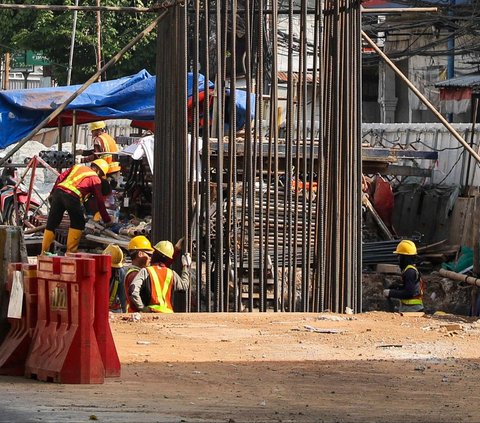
[10, 215]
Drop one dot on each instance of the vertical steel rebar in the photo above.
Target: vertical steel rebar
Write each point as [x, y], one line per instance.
[294, 217]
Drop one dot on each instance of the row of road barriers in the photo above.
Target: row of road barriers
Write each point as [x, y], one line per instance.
[59, 320]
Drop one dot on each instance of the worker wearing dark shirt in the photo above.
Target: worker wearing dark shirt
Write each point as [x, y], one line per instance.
[68, 194]
[410, 292]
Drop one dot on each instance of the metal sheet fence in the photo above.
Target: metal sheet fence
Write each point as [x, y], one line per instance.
[273, 223]
[451, 167]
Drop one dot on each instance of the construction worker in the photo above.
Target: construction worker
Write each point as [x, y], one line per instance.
[152, 288]
[68, 194]
[410, 292]
[140, 250]
[103, 147]
[118, 297]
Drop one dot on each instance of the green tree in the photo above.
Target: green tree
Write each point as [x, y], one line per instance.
[51, 32]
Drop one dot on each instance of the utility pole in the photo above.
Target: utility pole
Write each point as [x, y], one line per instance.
[6, 75]
[72, 45]
[451, 55]
[99, 41]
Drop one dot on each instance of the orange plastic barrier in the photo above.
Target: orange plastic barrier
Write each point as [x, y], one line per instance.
[64, 347]
[14, 349]
[101, 325]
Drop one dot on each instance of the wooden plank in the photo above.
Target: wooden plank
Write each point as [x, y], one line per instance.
[461, 222]
[377, 218]
[398, 170]
[256, 295]
[413, 314]
[430, 246]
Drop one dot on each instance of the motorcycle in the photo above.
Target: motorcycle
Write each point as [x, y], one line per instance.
[14, 200]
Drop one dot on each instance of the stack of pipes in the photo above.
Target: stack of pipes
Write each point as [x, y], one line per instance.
[379, 252]
[57, 159]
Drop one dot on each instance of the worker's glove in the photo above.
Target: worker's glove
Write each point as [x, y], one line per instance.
[186, 260]
[78, 159]
[386, 293]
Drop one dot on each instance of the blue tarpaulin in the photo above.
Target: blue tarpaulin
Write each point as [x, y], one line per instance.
[130, 97]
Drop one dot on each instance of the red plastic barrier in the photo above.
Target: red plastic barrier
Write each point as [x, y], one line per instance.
[101, 325]
[64, 348]
[14, 349]
[41, 343]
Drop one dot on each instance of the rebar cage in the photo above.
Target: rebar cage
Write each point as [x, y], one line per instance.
[261, 172]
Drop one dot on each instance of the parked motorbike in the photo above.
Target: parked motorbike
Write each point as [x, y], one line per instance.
[9, 195]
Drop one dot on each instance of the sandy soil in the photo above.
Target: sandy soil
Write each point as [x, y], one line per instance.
[373, 367]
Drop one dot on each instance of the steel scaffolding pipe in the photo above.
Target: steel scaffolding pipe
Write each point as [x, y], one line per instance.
[459, 277]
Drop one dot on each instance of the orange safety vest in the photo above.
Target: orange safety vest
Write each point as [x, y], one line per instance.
[417, 300]
[161, 283]
[75, 177]
[108, 145]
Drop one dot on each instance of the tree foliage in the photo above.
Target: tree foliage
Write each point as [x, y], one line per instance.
[51, 33]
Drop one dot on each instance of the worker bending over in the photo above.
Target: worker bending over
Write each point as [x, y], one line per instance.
[152, 288]
[103, 147]
[410, 293]
[117, 295]
[68, 194]
[140, 250]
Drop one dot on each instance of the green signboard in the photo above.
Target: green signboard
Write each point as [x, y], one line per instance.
[29, 58]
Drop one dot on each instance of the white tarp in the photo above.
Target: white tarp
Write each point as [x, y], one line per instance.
[144, 148]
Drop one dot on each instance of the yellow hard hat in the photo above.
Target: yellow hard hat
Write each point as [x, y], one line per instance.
[406, 247]
[165, 248]
[117, 255]
[97, 125]
[114, 167]
[140, 242]
[102, 165]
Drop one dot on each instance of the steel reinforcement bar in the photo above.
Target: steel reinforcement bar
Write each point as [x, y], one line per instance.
[276, 227]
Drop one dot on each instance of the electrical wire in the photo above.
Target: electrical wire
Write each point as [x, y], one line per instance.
[453, 167]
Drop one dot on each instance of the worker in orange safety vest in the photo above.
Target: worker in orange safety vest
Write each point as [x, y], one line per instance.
[410, 292]
[103, 147]
[68, 194]
[140, 250]
[153, 287]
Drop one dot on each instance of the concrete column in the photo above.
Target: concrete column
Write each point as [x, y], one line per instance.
[386, 94]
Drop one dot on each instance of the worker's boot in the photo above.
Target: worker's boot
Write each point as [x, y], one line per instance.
[48, 237]
[73, 239]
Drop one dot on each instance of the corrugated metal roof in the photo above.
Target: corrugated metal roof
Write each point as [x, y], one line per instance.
[471, 80]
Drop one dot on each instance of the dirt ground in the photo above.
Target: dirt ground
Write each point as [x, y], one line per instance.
[372, 367]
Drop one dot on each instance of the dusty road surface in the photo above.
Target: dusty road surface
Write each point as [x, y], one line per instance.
[373, 367]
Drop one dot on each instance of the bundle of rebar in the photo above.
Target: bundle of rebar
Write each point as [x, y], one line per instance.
[257, 217]
[379, 252]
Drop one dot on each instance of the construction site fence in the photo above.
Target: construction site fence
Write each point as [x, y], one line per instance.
[450, 168]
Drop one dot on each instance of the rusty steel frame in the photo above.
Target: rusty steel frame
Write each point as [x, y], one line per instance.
[266, 232]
